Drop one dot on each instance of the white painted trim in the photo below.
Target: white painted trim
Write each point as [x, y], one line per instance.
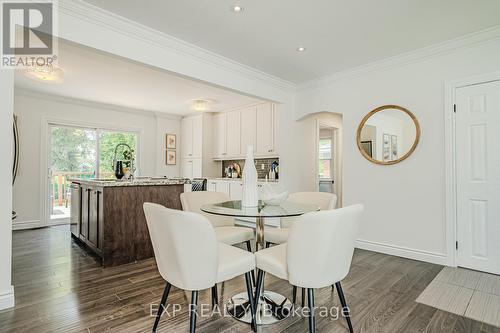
[30, 224]
[404, 252]
[479, 37]
[100, 17]
[450, 151]
[7, 299]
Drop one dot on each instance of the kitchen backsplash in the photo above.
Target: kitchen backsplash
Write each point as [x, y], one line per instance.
[258, 165]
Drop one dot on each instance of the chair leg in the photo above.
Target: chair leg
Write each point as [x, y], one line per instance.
[251, 300]
[215, 296]
[258, 286]
[294, 295]
[268, 244]
[193, 311]
[345, 308]
[161, 308]
[312, 318]
[249, 249]
[303, 297]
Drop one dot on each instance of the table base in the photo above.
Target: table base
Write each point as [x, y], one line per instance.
[264, 315]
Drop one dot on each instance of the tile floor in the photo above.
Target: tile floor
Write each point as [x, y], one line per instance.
[465, 292]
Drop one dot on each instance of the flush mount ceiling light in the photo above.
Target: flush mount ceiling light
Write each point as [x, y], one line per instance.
[45, 73]
[300, 49]
[237, 9]
[200, 104]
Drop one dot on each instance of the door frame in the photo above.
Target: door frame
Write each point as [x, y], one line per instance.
[45, 142]
[450, 158]
[337, 159]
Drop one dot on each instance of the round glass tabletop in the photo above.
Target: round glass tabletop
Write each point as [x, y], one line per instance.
[235, 209]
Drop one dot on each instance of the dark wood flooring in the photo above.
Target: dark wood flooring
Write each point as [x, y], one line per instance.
[60, 288]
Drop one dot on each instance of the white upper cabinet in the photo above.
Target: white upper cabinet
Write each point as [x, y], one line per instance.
[265, 130]
[197, 149]
[233, 133]
[219, 136]
[187, 138]
[235, 130]
[248, 129]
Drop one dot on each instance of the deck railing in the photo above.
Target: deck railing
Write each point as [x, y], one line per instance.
[59, 185]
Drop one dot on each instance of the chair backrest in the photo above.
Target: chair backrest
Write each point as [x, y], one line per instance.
[324, 200]
[192, 202]
[320, 246]
[185, 247]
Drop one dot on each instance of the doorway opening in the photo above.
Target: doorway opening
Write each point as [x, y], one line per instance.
[78, 152]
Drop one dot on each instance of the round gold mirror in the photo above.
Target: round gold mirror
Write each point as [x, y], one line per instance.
[388, 135]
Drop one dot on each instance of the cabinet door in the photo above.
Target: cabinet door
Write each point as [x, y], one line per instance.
[223, 187]
[248, 129]
[187, 168]
[197, 136]
[212, 186]
[233, 133]
[276, 130]
[197, 167]
[187, 137]
[236, 190]
[84, 225]
[265, 138]
[219, 135]
[93, 217]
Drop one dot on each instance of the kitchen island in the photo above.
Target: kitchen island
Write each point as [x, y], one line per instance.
[107, 216]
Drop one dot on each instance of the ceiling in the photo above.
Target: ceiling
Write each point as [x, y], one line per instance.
[97, 77]
[337, 34]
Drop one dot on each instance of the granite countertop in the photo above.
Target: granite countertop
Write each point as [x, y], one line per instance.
[135, 182]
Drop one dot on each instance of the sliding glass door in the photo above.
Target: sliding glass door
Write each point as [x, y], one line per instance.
[79, 152]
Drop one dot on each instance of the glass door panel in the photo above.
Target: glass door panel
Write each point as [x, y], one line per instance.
[72, 155]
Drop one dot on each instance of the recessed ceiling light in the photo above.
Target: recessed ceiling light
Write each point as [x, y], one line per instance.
[237, 9]
[301, 49]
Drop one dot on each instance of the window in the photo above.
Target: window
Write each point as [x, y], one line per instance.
[325, 158]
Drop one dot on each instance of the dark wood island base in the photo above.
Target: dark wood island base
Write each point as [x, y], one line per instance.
[111, 221]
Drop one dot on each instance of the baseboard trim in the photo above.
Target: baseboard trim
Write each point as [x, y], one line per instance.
[23, 225]
[7, 299]
[404, 252]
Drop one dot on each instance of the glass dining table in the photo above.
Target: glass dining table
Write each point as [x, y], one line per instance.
[272, 307]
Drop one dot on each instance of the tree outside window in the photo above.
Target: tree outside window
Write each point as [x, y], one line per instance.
[325, 158]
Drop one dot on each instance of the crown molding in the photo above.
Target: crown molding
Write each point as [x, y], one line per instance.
[100, 17]
[97, 105]
[476, 38]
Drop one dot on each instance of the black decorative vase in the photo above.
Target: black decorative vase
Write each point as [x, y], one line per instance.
[119, 170]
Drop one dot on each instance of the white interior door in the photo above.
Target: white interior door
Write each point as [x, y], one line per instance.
[478, 176]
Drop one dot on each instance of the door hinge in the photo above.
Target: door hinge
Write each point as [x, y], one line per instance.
[454, 108]
[456, 245]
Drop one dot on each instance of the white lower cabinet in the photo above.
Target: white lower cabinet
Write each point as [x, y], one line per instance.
[236, 190]
[192, 168]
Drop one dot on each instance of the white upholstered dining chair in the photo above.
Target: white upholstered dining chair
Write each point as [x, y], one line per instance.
[189, 257]
[318, 254]
[323, 200]
[224, 226]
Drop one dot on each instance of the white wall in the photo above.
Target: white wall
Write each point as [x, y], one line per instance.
[34, 110]
[298, 150]
[171, 125]
[6, 110]
[405, 203]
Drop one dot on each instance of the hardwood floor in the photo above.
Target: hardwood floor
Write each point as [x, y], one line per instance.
[60, 288]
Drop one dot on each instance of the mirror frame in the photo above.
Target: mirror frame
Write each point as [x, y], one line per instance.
[371, 113]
